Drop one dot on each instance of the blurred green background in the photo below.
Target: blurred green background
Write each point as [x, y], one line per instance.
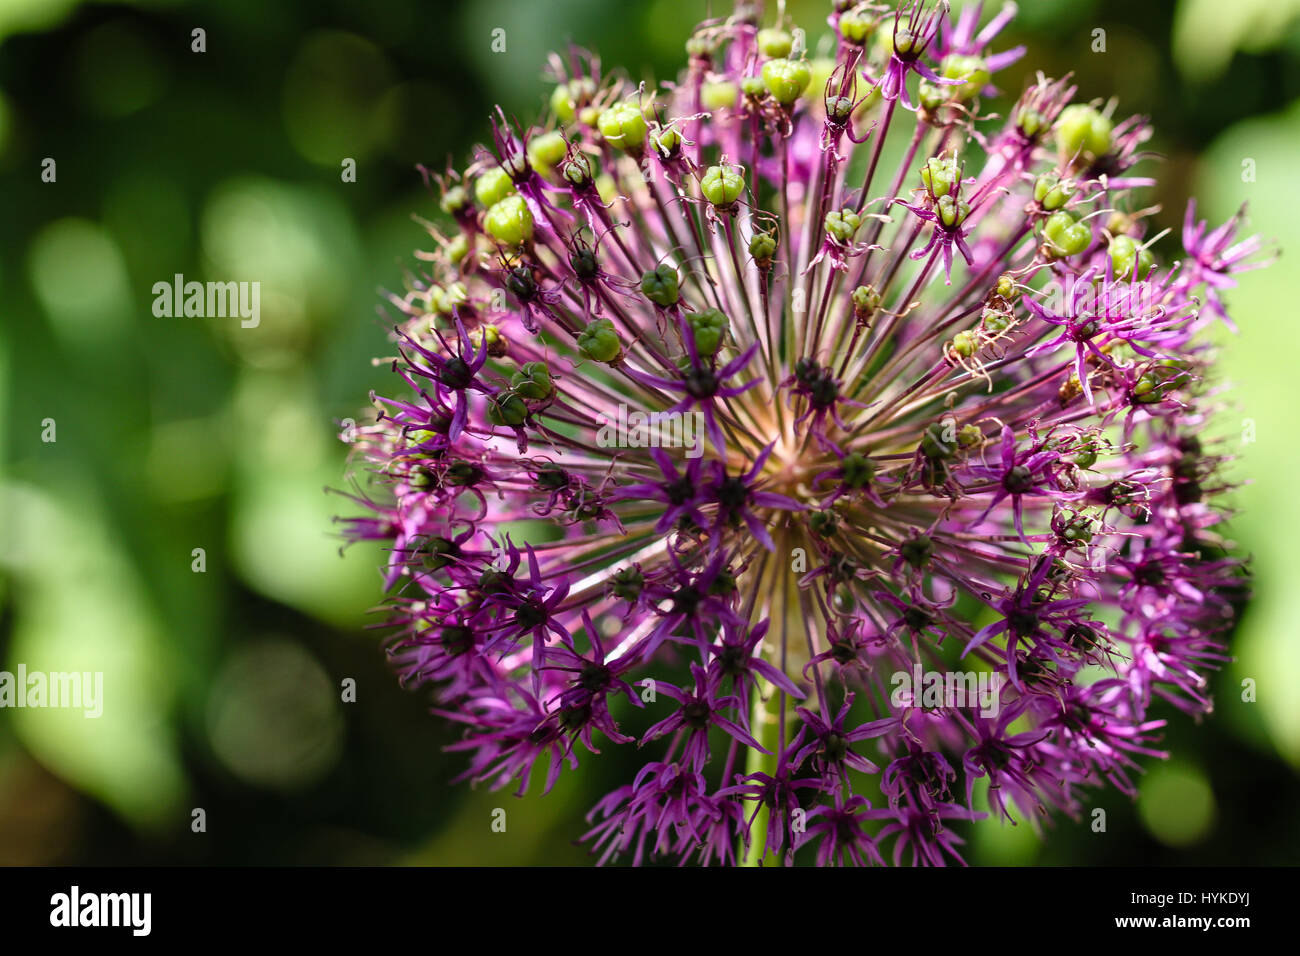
[222, 688]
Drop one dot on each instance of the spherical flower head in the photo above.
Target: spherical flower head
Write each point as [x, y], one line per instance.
[874, 499]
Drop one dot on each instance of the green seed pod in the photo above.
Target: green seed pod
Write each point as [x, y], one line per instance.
[1082, 131]
[952, 213]
[509, 222]
[723, 185]
[490, 337]
[939, 175]
[786, 79]
[718, 95]
[660, 285]
[624, 127]
[843, 225]
[973, 72]
[578, 171]
[939, 440]
[866, 302]
[856, 27]
[762, 247]
[1066, 235]
[454, 200]
[437, 552]
[775, 43]
[1030, 122]
[507, 408]
[667, 142]
[917, 551]
[964, 344]
[1126, 256]
[969, 435]
[858, 470]
[627, 584]
[532, 381]
[547, 151]
[1051, 192]
[823, 523]
[458, 249]
[599, 342]
[708, 329]
[1006, 287]
[493, 186]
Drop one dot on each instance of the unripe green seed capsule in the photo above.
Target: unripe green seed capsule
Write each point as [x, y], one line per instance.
[509, 221]
[492, 186]
[775, 43]
[507, 408]
[858, 470]
[843, 225]
[708, 329]
[856, 27]
[786, 79]
[454, 200]
[762, 247]
[1066, 235]
[1084, 132]
[532, 381]
[971, 70]
[623, 126]
[723, 185]
[660, 285]
[546, 151]
[1126, 255]
[719, 94]
[599, 342]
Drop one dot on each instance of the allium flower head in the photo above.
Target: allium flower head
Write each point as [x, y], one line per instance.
[718, 440]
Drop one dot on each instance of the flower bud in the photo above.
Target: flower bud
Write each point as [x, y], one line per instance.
[509, 222]
[786, 79]
[599, 342]
[660, 285]
[775, 43]
[493, 186]
[723, 185]
[708, 329]
[623, 126]
[1082, 131]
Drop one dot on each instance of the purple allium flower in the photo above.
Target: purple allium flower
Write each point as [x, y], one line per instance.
[696, 452]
